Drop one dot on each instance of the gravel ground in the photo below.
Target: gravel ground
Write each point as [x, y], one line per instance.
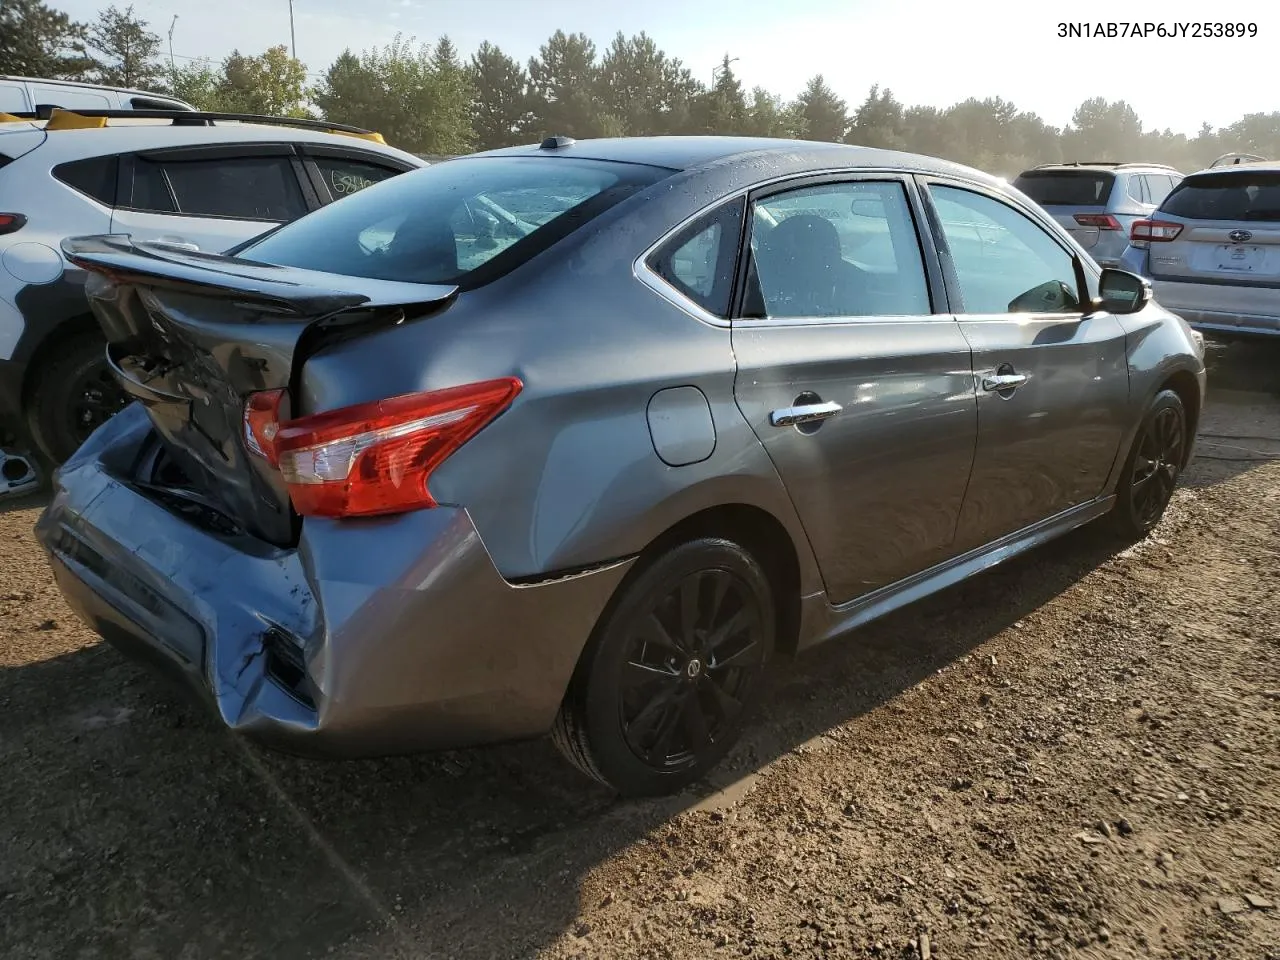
[1076, 754]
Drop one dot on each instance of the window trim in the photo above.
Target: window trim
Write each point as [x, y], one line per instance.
[935, 289]
[1086, 279]
[720, 213]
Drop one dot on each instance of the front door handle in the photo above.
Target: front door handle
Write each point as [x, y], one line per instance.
[806, 413]
[1001, 382]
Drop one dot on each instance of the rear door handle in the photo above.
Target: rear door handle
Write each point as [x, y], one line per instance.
[176, 243]
[806, 413]
[1003, 381]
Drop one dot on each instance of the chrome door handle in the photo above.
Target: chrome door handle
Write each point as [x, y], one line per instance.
[808, 413]
[177, 243]
[1004, 381]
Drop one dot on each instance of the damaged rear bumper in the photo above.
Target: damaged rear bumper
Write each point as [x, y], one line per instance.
[369, 638]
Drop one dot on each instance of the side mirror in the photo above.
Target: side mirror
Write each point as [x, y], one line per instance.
[1122, 292]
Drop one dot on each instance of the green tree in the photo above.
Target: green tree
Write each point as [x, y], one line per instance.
[127, 53]
[878, 122]
[768, 116]
[500, 98]
[197, 83]
[450, 116]
[563, 79]
[273, 84]
[723, 108]
[1101, 130]
[825, 115]
[642, 91]
[38, 41]
[413, 96]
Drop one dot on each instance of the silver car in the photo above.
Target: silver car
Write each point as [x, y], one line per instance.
[1212, 250]
[579, 437]
[1099, 202]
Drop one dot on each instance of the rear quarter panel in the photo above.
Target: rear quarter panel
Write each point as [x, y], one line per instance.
[569, 477]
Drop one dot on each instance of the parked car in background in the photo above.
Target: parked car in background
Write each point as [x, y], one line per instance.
[1098, 202]
[26, 94]
[193, 180]
[1212, 249]
[402, 476]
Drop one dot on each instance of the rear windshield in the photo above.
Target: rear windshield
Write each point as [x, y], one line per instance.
[1067, 188]
[458, 222]
[1233, 195]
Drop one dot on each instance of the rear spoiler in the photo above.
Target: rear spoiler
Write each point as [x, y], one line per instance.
[289, 290]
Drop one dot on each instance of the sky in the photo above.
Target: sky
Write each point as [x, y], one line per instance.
[933, 53]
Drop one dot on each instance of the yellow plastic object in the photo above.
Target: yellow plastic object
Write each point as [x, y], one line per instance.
[372, 137]
[66, 120]
[10, 118]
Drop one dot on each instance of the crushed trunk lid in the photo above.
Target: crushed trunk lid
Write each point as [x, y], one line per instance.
[190, 335]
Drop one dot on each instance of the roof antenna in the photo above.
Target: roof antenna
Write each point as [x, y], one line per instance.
[555, 143]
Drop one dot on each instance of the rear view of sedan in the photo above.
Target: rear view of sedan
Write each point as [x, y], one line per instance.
[576, 439]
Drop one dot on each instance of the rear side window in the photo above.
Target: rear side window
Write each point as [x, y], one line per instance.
[1158, 187]
[1067, 188]
[343, 176]
[249, 188]
[1137, 188]
[1236, 195]
[13, 99]
[95, 177]
[699, 261]
[464, 222]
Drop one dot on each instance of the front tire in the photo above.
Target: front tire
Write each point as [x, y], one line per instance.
[672, 671]
[1152, 468]
[75, 394]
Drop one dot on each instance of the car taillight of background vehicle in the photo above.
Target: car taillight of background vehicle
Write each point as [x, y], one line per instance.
[1103, 221]
[11, 222]
[371, 458]
[1144, 232]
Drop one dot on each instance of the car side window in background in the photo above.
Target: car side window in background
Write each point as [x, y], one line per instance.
[151, 191]
[1137, 188]
[1158, 187]
[699, 261]
[248, 188]
[344, 177]
[95, 177]
[836, 250]
[13, 99]
[1004, 261]
[70, 98]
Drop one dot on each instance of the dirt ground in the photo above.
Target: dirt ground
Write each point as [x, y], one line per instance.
[1077, 754]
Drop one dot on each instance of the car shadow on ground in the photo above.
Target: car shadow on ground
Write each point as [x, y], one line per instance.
[138, 828]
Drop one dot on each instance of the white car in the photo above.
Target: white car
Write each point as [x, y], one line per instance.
[24, 94]
[196, 181]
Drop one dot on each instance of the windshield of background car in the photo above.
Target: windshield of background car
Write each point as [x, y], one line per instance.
[1067, 188]
[454, 222]
[1252, 195]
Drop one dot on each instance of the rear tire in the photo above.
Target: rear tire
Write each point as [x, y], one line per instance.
[672, 671]
[74, 395]
[1152, 468]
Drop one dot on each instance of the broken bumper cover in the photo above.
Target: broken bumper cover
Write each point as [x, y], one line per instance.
[369, 638]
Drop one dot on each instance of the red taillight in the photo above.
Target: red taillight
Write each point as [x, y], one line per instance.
[11, 222]
[376, 458]
[262, 415]
[1103, 221]
[1153, 231]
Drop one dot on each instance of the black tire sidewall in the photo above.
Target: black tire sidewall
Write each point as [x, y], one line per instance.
[49, 416]
[1126, 515]
[599, 680]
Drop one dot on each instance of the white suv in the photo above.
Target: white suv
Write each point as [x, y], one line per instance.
[198, 181]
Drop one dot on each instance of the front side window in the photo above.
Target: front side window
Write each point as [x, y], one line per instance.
[836, 250]
[1004, 262]
[459, 222]
[344, 177]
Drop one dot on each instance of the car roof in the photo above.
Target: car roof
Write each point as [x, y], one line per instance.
[123, 135]
[692, 152]
[1099, 166]
[1256, 166]
[83, 85]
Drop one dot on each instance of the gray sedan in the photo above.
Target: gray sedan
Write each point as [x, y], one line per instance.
[577, 438]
